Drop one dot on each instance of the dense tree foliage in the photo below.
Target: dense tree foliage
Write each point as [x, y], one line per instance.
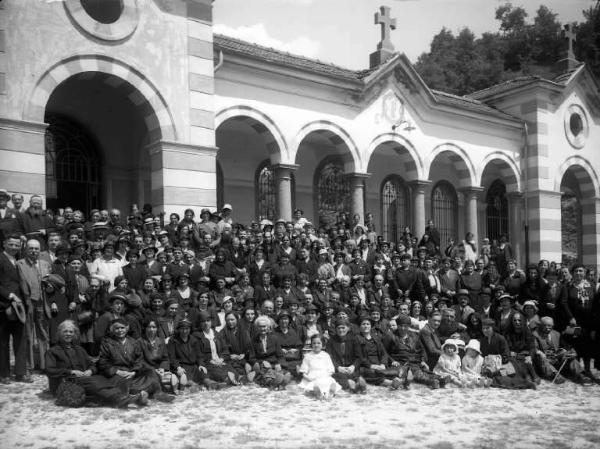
[462, 64]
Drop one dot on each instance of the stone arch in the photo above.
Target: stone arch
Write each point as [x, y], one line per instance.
[585, 174]
[339, 139]
[508, 169]
[145, 96]
[410, 158]
[459, 159]
[262, 124]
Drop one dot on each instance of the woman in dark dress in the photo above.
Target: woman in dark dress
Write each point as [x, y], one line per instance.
[184, 354]
[375, 360]
[156, 356]
[214, 355]
[290, 342]
[266, 356]
[238, 344]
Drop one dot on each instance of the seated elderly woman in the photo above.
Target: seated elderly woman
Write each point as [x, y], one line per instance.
[522, 347]
[184, 354]
[121, 358]
[213, 354]
[266, 356]
[68, 361]
[290, 342]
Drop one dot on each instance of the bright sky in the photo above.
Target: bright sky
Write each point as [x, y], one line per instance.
[343, 31]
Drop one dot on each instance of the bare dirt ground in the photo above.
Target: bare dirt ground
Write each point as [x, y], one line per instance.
[553, 416]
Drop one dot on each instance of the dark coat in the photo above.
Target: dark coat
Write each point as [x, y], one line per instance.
[115, 355]
[344, 352]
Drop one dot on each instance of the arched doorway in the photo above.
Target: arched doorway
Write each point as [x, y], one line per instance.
[96, 145]
[496, 210]
[444, 210]
[394, 207]
[571, 219]
[73, 164]
[332, 194]
[247, 180]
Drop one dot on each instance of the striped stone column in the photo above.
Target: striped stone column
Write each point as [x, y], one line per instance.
[22, 152]
[471, 195]
[201, 72]
[515, 225]
[590, 211]
[544, 220]
[182, 176]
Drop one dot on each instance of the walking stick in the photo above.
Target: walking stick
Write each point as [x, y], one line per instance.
[560, 369]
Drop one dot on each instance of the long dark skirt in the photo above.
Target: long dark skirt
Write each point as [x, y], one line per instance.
[219, 373]
[194, 374]
[377, 377]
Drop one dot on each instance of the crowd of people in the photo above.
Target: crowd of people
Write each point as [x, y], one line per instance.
[121, 310]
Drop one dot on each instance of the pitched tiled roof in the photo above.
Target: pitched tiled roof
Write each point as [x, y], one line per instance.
[230, 44]
[233, 45]
[468, 103]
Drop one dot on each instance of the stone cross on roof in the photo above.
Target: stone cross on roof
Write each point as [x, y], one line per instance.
[384, 19]
[570, 35]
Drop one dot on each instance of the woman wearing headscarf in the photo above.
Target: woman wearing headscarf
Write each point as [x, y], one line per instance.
[184, 354]
[238, 344]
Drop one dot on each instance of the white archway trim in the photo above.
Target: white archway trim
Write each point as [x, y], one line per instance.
[462, 155]
[515, 172]
[345, 145]
[405, 143]
[281, 153]
[157, 116]
[592, 188]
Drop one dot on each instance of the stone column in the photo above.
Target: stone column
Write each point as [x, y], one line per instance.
[544, 220]
[183, 176]
[283, 181]
[516, 229]
[357, 189]
[590, 217]
[471, 196]
[418, 189]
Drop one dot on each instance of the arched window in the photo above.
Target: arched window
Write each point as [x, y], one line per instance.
[333, 191]
[444, 210]
[72, 166]
[496, 210]
[394, 207]
[266, 195]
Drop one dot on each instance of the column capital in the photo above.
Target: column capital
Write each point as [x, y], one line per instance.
[291, 167]
[419, 185]
[356, 175]
[471, 189]
[515, 195]
[179, 147]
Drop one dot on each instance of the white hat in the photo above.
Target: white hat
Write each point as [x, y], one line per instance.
[453, 342]
[474, 345]
[227, 206]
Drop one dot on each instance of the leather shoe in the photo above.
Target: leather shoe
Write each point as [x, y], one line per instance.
[24, 379]
[4, 380]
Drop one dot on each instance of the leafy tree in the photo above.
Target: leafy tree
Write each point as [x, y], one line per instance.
[587, 48]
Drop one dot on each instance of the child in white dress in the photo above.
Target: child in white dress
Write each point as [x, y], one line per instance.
[472, 363]
[316, 370]
[448, 365]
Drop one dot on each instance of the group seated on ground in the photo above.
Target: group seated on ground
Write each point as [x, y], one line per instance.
[123, 312]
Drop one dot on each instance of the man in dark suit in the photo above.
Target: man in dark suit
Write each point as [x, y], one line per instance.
[430, 340]
[11, 297]
[9, 218]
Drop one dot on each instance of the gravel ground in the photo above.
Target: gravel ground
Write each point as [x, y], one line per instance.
[553, 416]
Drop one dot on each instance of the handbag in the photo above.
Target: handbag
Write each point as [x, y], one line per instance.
[70, 394]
